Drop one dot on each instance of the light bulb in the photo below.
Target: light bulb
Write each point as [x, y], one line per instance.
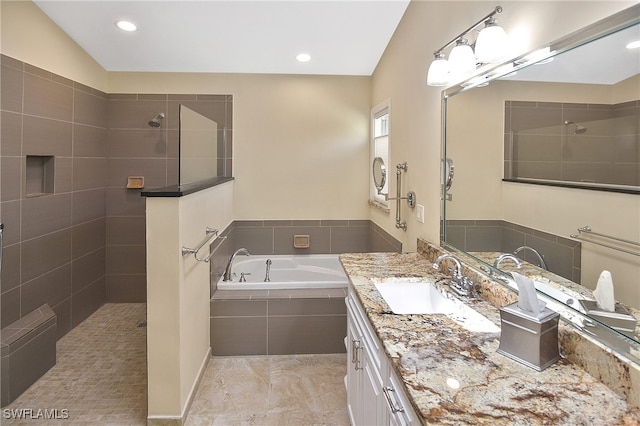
[438, 74]
[491, 45]
[462, 61]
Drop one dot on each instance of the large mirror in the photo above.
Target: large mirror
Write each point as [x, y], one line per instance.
[547, 164]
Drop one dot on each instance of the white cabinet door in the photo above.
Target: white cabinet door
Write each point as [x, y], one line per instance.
[364, 381]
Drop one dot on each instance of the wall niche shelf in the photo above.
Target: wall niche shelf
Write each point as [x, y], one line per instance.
[39, 175]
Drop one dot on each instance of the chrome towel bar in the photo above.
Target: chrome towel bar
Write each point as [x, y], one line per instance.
[211, 235]
[588, 231]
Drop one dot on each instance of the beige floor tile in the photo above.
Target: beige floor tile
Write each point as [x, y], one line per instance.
[100, 378]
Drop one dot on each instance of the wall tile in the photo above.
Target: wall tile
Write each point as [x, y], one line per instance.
[46, 98]
[43, 136]
[87, 301]
[127, 230]
[131, 143]
[126, 288]
[89, 141]
[88, 205]
[11, 219]
[349, 239]
[125, 202]
[126, 260]
[88, 237]
[10, 268]
[134, 114]
[12, 88]
[63, 178]
[239, 336]
[11, 178]
[63, 317]
[307, 306]
[11, 133]
[46, 214]
[43, 254]
[306, 335]
[89, 109]
[9, 307]
[87, 269]
[153, 170]
[89, 173]
[239, 308]
[52, 287]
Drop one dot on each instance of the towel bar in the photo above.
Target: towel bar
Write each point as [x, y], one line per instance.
[587, 230]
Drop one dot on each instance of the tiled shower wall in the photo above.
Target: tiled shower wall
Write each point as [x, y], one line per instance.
[538, 144]
[562, 255]
[136, 149]
[54, 245]
[84, 242]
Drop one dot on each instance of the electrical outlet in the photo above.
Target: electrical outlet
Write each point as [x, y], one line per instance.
[420, 213]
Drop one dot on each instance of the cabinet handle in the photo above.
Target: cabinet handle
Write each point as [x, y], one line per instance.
[394, 408]
[355, 356]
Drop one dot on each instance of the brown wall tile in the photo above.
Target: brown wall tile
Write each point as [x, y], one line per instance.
[87, 269]
[88, 205]
[126, 288]
[46, 98]
[46, 214]
[88, 237]
[239, 336]
[42, 136]
[45, 253]
[53, 287]
[12, 88]
[306, 335]
[87, 301]
[11, 133]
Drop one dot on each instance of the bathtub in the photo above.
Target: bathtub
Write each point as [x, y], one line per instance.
[287, 272]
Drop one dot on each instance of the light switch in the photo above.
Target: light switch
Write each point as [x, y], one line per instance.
[420, 213]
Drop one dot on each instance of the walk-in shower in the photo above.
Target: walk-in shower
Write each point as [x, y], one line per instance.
[578, 130]
[155, 121]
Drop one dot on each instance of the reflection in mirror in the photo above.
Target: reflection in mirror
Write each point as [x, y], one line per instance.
[379, 174]
[584, 177]
[199, 147]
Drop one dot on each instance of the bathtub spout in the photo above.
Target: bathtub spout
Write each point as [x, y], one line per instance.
[227, 270]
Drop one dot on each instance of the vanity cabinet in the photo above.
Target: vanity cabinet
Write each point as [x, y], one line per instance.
[374, 393]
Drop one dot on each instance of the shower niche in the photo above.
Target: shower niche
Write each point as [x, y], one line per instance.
[39, 175]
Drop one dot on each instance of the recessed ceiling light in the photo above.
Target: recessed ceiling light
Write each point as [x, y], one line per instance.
[126, 26]
[303, 57]
[634, 45]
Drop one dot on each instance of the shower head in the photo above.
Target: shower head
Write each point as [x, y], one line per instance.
[155, 121]
[578, 130]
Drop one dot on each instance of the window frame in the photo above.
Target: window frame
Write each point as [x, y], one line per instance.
[381, 109]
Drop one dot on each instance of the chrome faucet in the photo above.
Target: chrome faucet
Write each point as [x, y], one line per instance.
[540, 257]
[266, 277]
[507, 256]
[462, 285]
[227, 270]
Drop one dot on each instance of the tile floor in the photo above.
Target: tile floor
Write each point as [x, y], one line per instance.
[100, 379]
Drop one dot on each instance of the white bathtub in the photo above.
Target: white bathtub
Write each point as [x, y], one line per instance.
[286, 272]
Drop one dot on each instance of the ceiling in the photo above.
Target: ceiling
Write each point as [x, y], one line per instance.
[233, 36]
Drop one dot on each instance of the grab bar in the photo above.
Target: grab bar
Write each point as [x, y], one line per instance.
[587, 230]
[208, 240]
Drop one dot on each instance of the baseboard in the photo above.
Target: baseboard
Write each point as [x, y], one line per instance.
[180, 421]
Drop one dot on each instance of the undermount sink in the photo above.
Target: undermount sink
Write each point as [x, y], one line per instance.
[410, 297]
[414, 298]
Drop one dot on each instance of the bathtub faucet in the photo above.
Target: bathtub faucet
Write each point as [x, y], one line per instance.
[227, 270]
[266, 278]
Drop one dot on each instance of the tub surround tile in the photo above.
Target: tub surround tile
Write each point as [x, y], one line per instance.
[492, 387]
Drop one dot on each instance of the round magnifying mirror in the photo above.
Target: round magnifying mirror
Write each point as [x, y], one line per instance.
[379, 173]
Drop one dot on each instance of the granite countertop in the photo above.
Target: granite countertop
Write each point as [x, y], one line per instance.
[455, 376]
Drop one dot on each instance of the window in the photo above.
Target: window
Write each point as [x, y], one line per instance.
[380, 142]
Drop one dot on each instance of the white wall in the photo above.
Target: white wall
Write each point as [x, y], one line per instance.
[178, 295]
[416, 112]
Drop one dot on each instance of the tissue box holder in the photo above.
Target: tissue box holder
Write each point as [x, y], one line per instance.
[529, 340]
[621, 320]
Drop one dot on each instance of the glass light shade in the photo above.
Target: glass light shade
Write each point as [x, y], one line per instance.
[462, 61]
[492, 44]
[438, 74]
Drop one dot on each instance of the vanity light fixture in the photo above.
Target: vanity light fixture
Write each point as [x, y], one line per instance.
[127, 26]
[490, 47]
